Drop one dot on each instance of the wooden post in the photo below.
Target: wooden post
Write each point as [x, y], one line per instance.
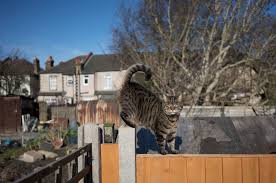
[127, 155]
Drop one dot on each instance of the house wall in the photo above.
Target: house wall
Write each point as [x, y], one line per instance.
[69, 89]
[45, 85]
[87, 91]
[117, 77]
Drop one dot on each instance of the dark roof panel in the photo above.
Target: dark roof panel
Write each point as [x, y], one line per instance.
[102, 63]
[94, 63]
[67, 67]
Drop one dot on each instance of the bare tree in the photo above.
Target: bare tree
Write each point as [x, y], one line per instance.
[207, 50]
[12, 79]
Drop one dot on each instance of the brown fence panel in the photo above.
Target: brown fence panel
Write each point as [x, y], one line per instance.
[213, 170]
[110, 163]
[232, 170]
[267, 170]
[250, 170]
[192, 168]
[206, 168]
[196, 170]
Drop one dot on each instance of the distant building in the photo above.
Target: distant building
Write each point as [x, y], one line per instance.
[19, 77]
[83, 78]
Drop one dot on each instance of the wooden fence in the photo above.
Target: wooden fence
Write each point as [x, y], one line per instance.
[110, 163]
[185, 168]
[85, 173]
[206, 169]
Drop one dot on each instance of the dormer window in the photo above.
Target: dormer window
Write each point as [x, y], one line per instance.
[107, 81]
[85, 80]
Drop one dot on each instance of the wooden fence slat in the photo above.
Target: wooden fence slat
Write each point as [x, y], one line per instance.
[196, 170]
[140, 177]
[110, 163]
[213, 170]
[232, 170]
[267, 169]
[159, 170]
[178, 170]
[250, 170]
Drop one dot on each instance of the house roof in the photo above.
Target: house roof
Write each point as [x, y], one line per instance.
[92, 64]
[102, 63]
[16, 66]
[67, 67]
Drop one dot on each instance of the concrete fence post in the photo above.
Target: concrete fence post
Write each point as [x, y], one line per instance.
[80, 144]
[92, 135]
[127, 155]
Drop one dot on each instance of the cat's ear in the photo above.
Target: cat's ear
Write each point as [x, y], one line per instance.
[179, 98]
[165, 98]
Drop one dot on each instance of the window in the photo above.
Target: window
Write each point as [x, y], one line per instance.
[107, 81]
[85, 80]
[70, 81]
[53, 82]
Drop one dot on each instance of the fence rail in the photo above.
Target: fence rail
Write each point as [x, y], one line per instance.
[85, 173]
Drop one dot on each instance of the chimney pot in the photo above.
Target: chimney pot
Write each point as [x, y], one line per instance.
[49, 63]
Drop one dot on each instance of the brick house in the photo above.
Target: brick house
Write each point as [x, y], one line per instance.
[83, 78]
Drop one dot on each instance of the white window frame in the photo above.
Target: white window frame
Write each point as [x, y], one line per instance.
[53, 87]
[69, 81]
[108, 81]
[85, 78]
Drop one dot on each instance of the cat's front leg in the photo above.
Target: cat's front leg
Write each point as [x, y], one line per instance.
[171, 143]
[161, 141]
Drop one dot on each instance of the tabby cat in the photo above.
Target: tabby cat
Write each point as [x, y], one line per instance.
[140, 106]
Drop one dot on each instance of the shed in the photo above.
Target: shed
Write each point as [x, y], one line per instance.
[11, 110]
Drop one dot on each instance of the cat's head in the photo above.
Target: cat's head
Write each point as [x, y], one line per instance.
[172, 105]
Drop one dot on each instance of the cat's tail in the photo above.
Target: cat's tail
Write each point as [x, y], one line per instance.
[135, 68]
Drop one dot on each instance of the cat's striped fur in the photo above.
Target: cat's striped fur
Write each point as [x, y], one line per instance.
[140, 106]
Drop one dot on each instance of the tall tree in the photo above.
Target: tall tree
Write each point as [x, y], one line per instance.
[208, 50]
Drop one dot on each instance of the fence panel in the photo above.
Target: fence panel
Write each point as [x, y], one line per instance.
[267, 170]
[232, 170]
[206, 168]
[213, 170]
[250, 170]
[110, 163]
[185, 168]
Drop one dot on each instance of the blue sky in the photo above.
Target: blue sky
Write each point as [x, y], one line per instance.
[63, 28]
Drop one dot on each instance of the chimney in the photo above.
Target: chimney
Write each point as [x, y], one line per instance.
[36, 66]
[49, 63]
[78, 65]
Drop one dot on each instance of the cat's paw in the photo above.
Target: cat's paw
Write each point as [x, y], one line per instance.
[163, 152]
[174, 151]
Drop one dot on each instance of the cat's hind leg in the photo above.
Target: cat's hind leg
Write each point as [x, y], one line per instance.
[127, 119]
